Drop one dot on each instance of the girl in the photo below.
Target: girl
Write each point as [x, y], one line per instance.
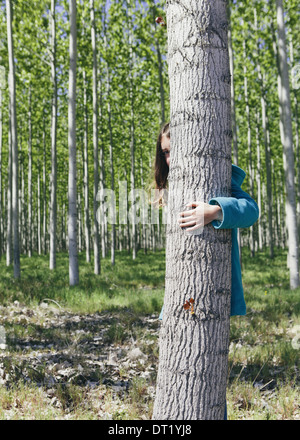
[237, 211]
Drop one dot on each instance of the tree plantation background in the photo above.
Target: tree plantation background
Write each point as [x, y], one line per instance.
[131, 86]
[84, 90]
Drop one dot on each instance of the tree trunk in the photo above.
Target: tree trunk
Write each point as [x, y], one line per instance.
[39, 231]
[86, 175]
[44, 189]
[30, 222]
[14, 143]
[297, 149]
[233, 114]
[258, 180]
[9, 199]
[249, 142]
[72, 215]
[113, 226]
[192, 373]
[288, 152]
[267, 148]
[97, 268]
[1, 87]
[53, 198]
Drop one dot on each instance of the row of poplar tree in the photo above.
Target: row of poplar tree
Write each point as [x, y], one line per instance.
[88, 83]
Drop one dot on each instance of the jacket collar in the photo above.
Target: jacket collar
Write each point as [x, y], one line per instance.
[238, 175]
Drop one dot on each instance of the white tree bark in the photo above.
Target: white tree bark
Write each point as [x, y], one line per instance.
[72, 196]
[192, 373]
[53, 198]
[288, 152]
[86, 175]
[97, 267]
[1, 86]
[14, 142]
[30, 222]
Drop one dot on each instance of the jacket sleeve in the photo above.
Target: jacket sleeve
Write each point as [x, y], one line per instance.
[239, 211]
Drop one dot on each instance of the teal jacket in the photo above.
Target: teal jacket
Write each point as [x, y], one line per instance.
[239, 211]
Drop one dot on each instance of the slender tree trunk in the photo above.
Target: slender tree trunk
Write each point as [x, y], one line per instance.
[192, 373]
[23, 226]
[9, 200]
[102, 171]
[288, 152]
[14, 142]
[97, 267]
[1, 209]
[53, 198]
[160, 70]
[249, 142]
[86, 176]
[113, 226]
[233, 116]
[132, 138]
[297, 149]
[72, 196]
[269, 201]
[258, 180]
[39, 229]
[44, 189]
[30, 222]
[268, 170]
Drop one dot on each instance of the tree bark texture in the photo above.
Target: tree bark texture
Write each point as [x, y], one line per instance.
[192, 373]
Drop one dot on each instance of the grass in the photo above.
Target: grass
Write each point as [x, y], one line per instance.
[109, 313]
[138, 284]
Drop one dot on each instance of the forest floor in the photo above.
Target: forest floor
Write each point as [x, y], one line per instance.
[91, 352]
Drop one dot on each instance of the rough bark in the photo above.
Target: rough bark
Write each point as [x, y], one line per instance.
[192, 373]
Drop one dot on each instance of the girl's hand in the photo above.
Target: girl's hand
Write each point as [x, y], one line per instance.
[201, 215]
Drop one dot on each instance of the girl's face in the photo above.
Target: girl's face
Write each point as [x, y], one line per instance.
[165, 147]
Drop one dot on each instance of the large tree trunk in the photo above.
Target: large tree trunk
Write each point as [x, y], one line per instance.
[14, 143]
[72, 215]
[53, 198]
[288, 152]
[192, 373]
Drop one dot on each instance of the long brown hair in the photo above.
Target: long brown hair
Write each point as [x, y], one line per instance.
[161, 169]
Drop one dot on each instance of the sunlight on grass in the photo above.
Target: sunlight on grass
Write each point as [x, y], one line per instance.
[263, 369]
[136, 284]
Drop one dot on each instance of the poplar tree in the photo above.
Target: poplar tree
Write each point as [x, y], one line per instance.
[192, 372]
